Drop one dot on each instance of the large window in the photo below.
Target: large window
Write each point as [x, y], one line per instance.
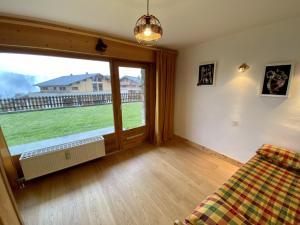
[42, 98]
[46, 100]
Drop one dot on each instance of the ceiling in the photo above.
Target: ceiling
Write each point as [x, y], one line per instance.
[185, 22]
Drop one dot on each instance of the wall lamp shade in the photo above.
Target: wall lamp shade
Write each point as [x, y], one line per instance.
[243, 67]
[148, 30]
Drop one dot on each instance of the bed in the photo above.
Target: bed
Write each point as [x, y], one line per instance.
[266, 190]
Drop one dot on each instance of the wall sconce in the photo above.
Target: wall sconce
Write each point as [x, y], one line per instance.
[243, 67]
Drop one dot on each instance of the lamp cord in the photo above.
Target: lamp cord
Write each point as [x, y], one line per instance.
[147, 7]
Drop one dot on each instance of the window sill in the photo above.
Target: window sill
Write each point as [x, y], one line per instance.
[19, 149]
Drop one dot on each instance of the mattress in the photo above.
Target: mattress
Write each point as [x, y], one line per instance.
[260, 192]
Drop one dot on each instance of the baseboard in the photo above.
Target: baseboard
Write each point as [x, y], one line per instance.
[209, 151]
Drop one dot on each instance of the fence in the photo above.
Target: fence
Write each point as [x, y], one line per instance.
[54, 102]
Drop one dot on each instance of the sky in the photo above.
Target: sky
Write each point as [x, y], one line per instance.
[48, 67]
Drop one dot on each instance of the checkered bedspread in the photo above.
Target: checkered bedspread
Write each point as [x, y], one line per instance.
[258, 193]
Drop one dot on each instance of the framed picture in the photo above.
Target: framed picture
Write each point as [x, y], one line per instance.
[277, 80]
[207, 74]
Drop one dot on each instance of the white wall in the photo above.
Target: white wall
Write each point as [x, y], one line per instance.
[206, 115]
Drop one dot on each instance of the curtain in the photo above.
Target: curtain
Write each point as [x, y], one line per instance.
[165, 86]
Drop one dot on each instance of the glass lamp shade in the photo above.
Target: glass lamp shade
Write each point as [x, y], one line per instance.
[148, 30]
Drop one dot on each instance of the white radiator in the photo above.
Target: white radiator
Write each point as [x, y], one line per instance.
[47, 160]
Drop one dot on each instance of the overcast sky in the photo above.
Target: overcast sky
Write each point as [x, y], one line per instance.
[48, 67]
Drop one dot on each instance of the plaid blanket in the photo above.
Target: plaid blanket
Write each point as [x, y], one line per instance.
[260, 192]
[213, 210]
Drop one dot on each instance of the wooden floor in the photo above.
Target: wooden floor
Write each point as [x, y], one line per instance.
[147, 185]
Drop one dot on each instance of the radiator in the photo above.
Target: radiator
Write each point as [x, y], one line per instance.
[51, 159]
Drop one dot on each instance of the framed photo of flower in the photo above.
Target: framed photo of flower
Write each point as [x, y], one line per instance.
[207, 74]
[277, 80]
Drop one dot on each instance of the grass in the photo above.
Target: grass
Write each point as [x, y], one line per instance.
[26, 127]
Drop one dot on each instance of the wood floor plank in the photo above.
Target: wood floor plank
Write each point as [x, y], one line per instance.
[147, 185]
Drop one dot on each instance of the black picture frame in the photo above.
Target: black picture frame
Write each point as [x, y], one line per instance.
[277, 80]
[207, 74]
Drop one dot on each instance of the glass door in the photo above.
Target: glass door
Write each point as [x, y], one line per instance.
[132, 89]
[132, 85]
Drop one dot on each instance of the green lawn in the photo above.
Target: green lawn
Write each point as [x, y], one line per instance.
[21, 128]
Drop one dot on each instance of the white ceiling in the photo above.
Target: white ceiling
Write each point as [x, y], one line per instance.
[184, 21]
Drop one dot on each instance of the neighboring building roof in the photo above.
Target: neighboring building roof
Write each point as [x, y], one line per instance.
[133, 79]
[68, 80]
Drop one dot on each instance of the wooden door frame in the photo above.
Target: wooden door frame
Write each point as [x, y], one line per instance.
[131, 137]
[15, 215]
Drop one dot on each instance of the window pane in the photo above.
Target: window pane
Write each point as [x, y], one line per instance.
[42, 98]
[132, 84]
[100, 87]
[95, 87]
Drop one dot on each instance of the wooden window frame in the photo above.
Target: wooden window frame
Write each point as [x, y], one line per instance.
[119, 140]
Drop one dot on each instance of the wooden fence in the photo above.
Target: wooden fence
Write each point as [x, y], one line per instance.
[63, 101]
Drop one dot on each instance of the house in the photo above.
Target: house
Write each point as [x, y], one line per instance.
[88, 83]
[95, 82]
[209, 135]
[130, 84]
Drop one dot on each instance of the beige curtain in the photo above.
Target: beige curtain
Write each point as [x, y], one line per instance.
[165, 85]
